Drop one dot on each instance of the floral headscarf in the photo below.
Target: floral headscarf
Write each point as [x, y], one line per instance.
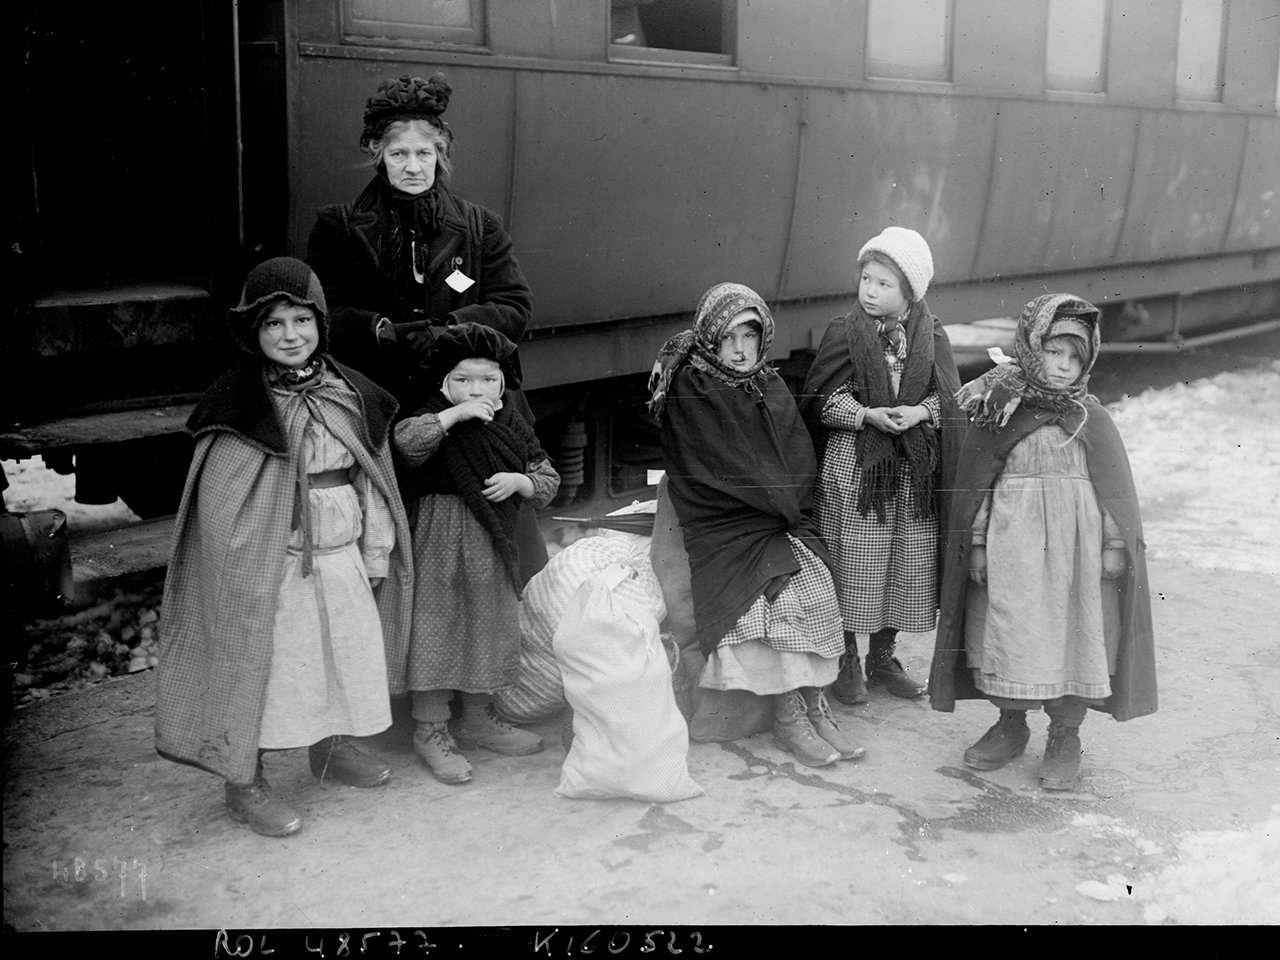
[700, 345]
[991, 400]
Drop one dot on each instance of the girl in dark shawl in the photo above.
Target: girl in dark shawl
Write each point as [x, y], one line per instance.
[470, 462]
[878, 401]
[273, 636]
[1045, 599]
[740, 470]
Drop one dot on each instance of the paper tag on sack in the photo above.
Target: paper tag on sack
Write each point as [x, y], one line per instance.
[998, 355]
[614, 574]
[458, 281]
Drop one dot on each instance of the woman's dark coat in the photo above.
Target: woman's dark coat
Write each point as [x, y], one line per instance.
[982, 458]
[344, 252]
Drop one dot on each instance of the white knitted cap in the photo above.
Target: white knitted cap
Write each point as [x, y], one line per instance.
[909, 251]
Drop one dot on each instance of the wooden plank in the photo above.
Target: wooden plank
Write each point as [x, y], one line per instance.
[114, 553]
[36, 438]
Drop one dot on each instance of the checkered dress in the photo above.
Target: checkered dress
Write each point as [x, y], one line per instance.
[888, 572]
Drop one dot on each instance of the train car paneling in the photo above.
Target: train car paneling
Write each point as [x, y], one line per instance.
[1185, 176]
[554, 29]
[821, 39]
[635, 194]
[1255, 220]
[1060, 177]
[874, 159]
[328, 119]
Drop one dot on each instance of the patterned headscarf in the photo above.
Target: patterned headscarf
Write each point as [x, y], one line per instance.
[991, 400]
[700, 345]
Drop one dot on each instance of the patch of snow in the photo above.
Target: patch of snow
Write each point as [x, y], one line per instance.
[1206, 461]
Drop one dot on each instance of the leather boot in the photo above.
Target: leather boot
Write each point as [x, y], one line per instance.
[480, 727]
[826, 727]
[338, 758]
[883, 668]
[1006, 740]
[849, 687]
[1062, 752]
[794, 733]
[256, 805]
[434, 745]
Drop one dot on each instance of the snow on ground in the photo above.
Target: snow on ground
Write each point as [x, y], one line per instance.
[33, 486]
[1206, 460]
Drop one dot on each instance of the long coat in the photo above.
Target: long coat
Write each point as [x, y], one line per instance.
[227, 563]
[982, 458]
[343, 249]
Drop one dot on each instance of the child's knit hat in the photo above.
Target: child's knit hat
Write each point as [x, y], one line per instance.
[909, 251]
[465, 341]
[280, 278]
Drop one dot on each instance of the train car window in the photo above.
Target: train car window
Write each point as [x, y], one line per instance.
[683, 31]
[909, 39]
[442, 21]
[1075, 49]
[1201, 36]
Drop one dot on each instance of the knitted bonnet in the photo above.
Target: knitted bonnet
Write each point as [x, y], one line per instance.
[280, 278]
[407, 98]
[909, 251]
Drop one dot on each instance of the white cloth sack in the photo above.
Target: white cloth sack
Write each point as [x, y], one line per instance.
[629, 739]
[539, 692]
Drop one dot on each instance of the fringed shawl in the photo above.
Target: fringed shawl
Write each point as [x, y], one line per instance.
[851, 351]
[991, 400]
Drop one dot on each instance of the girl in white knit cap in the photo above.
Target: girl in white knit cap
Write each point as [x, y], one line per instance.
[879, 404]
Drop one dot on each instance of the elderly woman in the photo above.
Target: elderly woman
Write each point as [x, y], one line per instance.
[407, 257]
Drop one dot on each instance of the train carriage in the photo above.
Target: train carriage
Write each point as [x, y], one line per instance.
[638, 151]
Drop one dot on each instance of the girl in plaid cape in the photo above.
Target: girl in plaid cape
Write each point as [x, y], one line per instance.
[271, 634]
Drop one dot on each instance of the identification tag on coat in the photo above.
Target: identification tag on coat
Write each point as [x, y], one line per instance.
[458, 281]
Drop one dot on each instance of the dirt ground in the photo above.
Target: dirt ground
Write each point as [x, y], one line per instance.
[1176, 818]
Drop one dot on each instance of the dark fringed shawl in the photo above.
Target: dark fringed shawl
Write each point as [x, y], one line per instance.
[852, 350]
[982, 458]
[469, 454]
[741, 472]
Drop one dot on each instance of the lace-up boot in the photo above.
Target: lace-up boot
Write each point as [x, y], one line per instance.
[338, 758]
[256, 805]
[794, 733]
[480, 727]
[849, 688]
[825, 726]
[434, 745]
[1006, 740]
[1062, 752]
[884, 669]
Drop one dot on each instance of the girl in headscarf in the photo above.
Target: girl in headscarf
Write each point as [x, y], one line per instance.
[878, 402]
[740, 469]
[273, 635]
[470, 462]
[1045, 599]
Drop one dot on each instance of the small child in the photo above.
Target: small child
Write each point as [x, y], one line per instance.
[740, 474]
[1045, 597]
[470, 460]
[271, 636]
[878, 401]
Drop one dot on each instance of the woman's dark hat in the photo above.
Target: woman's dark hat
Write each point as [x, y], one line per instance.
[465, 341]
[280, 278]
[407, 98]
